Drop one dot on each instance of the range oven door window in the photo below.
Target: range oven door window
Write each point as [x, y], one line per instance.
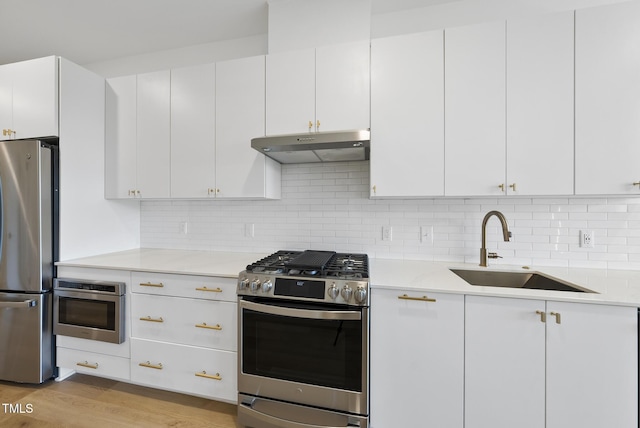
[98, 314]
[304, 343]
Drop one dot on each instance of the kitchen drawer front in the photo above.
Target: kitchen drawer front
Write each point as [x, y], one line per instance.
[92, 363]
[189, 369]
[204, 323]
[201, 287]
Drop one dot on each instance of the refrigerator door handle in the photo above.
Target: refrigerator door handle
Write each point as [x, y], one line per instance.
[18, 305]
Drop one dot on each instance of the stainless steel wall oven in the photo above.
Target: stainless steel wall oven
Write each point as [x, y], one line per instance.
[89, 309]
[303, 355]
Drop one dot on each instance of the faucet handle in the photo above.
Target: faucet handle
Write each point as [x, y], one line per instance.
[494, 256]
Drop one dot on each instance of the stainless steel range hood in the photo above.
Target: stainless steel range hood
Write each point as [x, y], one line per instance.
[315, 146]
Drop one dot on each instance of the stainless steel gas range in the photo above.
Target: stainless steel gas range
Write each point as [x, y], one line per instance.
[303, 336]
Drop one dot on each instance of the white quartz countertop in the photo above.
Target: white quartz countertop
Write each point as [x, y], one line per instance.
[618, 287]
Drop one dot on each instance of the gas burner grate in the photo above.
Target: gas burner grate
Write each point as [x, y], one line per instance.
[310, 263]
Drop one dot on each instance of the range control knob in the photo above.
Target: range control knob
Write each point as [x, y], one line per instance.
[346, 293]
[244, 283]
[254, 285]
[360, 295]
[333, 291]
[267, 286]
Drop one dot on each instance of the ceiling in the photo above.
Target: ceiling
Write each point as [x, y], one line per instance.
[88, 31]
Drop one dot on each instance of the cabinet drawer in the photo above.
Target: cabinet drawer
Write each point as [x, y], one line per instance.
[205, 323]
[201, 287]
[189, 369]
[92, 363]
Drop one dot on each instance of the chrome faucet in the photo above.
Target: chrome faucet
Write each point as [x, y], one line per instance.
[505, 234]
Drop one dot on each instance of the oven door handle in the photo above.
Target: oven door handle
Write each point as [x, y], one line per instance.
[301, 313]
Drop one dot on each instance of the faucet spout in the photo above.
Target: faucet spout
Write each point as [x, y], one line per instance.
[505, 233]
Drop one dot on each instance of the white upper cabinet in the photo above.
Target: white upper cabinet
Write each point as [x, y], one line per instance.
[540, 105]
[153, 134]
[342, 87]
[291, 92]
[323, 89]
[407, 116]
[29, 99]
[242, 172]
[193, 149]
[121, 157]
[608, 99]
[475, 140]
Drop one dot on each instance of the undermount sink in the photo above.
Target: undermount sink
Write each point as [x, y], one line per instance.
[529, 280]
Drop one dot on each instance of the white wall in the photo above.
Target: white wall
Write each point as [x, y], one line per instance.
[327, 207]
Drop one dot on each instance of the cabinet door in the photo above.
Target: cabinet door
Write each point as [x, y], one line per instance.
[291, 92]
[6, 100]
[540, 105]
[416, 360]
[35, 98]
[242, 172]
[592, 366]
[193, 132]
[475, 109]
[504, 363]
[608, 99]
[342, 87]
[120, 138]
[154, 134]
[407, 115]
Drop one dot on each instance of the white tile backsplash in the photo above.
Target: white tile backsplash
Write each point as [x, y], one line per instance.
[327, 207]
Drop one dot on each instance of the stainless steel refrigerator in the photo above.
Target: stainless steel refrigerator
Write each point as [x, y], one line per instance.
[28, 224]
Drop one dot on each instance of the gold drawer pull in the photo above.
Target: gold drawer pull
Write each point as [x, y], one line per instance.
[149, 319]
[151, 366]
[150, 284]
[558, 317]
[87, 365]
[208, 376]
[211, 327]
[215, 290]
[422, 299]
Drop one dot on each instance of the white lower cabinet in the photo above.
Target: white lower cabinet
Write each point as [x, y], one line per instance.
[93, 363]
[536, 363]
[417, 351]
[193, 370]
[184, 334]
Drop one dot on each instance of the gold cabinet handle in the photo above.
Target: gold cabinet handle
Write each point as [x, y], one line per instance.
[213, 290]
[317, 125]
[501, 187]
[513, 187]
[210, 191]
[422, 299]
[208, 376]
[88, 365]
[151, 366]
[8, 132]
[149, 319]
[150, 284]
[375, 189]
[210, 327]
[543, 316]
[636, 183]
[310, 125]
[557, 315]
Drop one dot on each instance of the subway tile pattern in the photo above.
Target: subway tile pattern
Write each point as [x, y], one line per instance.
[327, 207]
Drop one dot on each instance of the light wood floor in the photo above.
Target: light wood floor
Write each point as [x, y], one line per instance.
[87, 401]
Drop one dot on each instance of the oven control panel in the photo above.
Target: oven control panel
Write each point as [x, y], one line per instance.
[341, 291]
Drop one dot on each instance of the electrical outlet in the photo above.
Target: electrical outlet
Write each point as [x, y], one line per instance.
[184, 227]
[426, 235]
[587, 239]
[249, 230]
[387, 233]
